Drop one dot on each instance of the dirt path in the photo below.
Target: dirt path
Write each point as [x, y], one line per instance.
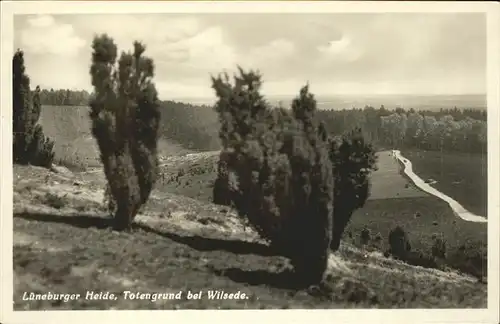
[458, 209]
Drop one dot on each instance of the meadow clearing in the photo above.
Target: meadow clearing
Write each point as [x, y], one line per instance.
[462, 176]
[394, 201]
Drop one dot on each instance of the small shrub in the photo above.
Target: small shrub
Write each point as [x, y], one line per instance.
[29, 144]
[355, 291]
[81, 208]
[365, 236]
[399, 243]
[54, 200]
[420, 258]
[41, 149]
[469, 259]
[376, 243]
[438, 249]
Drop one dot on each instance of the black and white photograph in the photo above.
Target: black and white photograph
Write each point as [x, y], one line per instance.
[250, 156]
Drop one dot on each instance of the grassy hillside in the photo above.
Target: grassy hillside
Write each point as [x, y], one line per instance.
[182, 242]
[461, 176]
[393, 201]
[74, 145]
[184, 245]
[195, 127]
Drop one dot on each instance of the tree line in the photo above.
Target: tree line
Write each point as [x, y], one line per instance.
[64, 97]
[452, 130]
[444, 130]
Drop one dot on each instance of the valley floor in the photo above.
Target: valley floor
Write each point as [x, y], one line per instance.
[462, 176]
[394, 201]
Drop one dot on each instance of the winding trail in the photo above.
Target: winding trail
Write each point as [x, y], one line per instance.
[458, 209]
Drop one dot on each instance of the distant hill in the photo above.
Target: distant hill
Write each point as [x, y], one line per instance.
[339, 102]
[75, 146]
[194, 127]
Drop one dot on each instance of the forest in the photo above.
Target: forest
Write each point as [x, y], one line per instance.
[447, 130]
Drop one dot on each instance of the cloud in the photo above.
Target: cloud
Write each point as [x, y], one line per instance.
[41, 21]
[277, 49]
[337, 53]
[179, 44]
[206, 51]
[341, 50]
[44, 36]
[154, 31]
[208, 54]
[185, 88]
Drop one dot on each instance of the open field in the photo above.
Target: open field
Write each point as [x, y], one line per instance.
[195, 178]
[464, 177]
[421, 218]
[182, 244]
[387, 181]
[394, 201]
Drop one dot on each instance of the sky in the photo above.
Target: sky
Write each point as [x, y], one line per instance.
[336, 53]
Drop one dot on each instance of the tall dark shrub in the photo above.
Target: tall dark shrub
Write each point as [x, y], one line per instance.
[125, 118]
[438, 249]
[365, 236]
[399, 243]
[312, 184]
[41, 149]
[29, 143]
[283, 172]
[221, 190]
[353, 160]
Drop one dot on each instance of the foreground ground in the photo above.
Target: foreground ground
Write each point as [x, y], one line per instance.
[62, 243]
